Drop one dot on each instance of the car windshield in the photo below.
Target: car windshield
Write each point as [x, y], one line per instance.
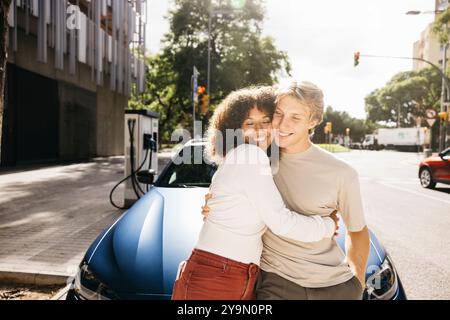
[446, 153]
[187, 174]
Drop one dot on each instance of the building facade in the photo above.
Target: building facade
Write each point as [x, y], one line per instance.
[71, 69]
[428, 47]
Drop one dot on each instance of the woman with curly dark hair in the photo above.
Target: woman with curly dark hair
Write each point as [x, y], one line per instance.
[225, 262]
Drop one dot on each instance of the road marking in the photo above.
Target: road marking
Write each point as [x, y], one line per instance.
[414, 192]
[411, 163]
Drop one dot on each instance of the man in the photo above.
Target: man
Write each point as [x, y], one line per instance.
[313, 181]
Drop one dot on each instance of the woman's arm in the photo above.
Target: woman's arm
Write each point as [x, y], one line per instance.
[258, 185]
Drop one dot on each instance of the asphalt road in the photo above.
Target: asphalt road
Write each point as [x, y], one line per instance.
[413, 223]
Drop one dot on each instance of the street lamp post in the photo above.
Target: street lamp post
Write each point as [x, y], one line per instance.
[417, 12]
[208, 86]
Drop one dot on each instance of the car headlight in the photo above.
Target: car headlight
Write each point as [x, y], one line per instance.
[383, 283]
[88, 287]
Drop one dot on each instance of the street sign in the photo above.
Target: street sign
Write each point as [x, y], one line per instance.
[431, 114]
[195, 86]
[195, 76]
[431, 122]
[431, 117]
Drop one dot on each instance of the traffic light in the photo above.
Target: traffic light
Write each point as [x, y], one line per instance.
[356, 58]
[443, 117]
[204, 104]
[329, 128]
[203, 98]
[201, 90]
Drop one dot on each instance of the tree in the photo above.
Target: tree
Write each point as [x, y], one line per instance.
[4, 10]
[411, 92]
[440, 26]
[240, 56]
[159, 95]
[341, 122]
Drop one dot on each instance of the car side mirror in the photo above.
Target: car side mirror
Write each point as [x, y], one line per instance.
[146, 177]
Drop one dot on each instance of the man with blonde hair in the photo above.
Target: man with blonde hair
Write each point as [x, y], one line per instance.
[313, 181]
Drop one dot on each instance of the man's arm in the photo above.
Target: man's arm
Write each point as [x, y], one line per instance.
[358, 250]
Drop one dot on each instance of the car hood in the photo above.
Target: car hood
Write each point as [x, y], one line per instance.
[138, 256]
[141, 252]
[432, 159]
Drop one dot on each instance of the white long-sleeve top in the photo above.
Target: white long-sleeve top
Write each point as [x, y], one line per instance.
[245, 202]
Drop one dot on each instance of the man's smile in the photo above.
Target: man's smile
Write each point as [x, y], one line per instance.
[284, 134]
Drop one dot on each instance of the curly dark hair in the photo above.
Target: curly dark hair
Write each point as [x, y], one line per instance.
[231, 114]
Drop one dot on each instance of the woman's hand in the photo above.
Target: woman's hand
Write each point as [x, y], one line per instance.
[205, 208]
[336, 220]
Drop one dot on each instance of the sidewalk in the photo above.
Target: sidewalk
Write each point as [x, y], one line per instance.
[50, 216]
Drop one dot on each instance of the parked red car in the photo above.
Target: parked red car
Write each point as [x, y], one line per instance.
[435, 169]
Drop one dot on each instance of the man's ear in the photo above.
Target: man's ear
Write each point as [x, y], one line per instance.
[313, 124]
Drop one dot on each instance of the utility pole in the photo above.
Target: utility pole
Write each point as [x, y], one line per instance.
[442, 128]
[195, 76]
[208, 85]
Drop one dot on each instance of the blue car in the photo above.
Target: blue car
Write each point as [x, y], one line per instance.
[138, 256]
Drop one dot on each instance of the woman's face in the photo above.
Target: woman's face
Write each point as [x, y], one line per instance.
[257, 128]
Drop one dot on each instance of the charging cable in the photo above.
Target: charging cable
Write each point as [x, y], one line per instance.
[134, 182]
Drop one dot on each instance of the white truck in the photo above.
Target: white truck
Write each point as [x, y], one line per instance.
[407, 139]
[370, 142]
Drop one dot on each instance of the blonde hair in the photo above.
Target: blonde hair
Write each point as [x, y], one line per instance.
[307, 94]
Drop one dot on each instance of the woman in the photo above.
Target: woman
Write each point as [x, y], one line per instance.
[225, 262]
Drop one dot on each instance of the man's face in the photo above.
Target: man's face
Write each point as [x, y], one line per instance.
[292, 121]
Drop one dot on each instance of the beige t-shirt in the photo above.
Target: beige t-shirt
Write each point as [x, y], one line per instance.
[241, 209]
[314, 182]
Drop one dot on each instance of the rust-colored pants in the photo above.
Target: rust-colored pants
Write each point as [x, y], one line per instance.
[207, 276]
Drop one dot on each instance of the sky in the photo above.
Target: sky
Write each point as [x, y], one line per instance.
[321, 36]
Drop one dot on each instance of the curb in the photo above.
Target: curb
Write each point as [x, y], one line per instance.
[61, 294]
[37, 279]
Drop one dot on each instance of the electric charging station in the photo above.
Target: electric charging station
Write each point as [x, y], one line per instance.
[141, 151]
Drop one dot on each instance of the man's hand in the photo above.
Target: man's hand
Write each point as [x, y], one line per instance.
[358, 249]
[205, 208]
[336, 220]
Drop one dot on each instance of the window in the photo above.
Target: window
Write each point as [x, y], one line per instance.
[187, 175]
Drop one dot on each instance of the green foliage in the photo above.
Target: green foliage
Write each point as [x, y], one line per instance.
[413, 91]
[440, 26]
[334, 148]
[240, 56]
